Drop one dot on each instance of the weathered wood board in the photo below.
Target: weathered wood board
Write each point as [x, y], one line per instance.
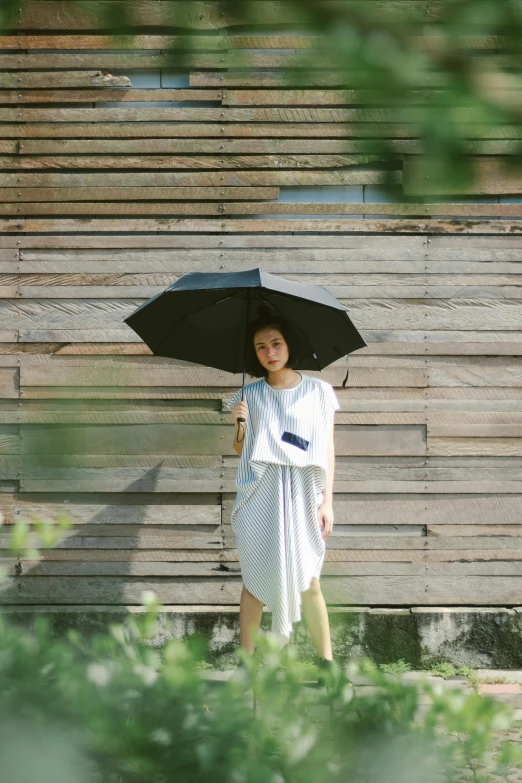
[119, 173]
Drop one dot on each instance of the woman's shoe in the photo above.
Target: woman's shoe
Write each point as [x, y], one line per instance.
[326, 669]
[331, 674]
[240, 673]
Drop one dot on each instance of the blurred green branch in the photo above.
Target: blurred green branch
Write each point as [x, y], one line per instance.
[464, 54]
[116, 707]
[23, 538]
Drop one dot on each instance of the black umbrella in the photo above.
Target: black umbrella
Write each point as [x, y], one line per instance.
[203, 318]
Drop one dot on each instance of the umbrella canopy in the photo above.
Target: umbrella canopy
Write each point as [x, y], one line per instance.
[203, 318]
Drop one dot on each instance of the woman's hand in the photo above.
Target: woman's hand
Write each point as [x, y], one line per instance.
[240, 409]
[325, 515]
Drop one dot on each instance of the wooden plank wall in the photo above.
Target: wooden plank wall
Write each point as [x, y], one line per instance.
[118, 174]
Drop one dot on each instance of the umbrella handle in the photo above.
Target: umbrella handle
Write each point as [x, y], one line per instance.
[239, 429]
[347, 371]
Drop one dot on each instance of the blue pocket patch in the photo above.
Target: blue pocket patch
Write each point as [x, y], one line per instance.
[295, 440]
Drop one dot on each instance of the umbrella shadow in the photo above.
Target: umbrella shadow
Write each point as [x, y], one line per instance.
[54, 576]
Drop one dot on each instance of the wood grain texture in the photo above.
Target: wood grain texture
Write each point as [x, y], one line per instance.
[114, 185]
[181, 129]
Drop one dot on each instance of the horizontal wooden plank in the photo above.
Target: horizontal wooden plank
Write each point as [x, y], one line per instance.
[19, 96]
[219, 146]
[200, 439]
[358, 561]
[413, 226]
[175, 415]
[354, 590]
[240, 208]
[428, 292]
[221, 114]
[339, 97]
[212, 42]
[207, 569]
[227, 146]
[347, 468]
[37, 61]
[23, 96]
[219, 61]
[58, 15]
[446, 508]
[90, 313]
[195, 178]
[458, 375]
[147, 377]
[139, 539]
[134, 555]
[131, 467]
[154, 414]
[295, 251]
[98, 483]
[491, 176]
[9, 382]
[479, 395]
[480, 544]
[69, 342]
[79, 343]
[108, 194]
[476, 447]
[145, 415]
[475, 530]
[9, 255]
[244, 130]
[315, 77]
[463, 418]
[134, 41]
[212, 570]
[135, 480]
[33, 80]
[475, 431]
[202, 377]
[119, 513]
[24, 163]
[483, 248]
[392, 284]
[8, 147]
[87, 266]
[176, 533]
[444, 250]
[471, 41]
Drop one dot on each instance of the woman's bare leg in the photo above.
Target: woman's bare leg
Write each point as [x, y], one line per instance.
[250, 612]
[316, 616]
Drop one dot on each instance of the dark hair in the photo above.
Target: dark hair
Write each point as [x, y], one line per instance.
[266, 318]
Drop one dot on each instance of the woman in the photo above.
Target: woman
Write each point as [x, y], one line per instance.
[283, 508]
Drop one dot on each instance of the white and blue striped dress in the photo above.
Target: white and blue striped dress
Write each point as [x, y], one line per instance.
[280, 486]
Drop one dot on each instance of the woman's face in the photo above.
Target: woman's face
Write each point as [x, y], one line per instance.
[271, 349]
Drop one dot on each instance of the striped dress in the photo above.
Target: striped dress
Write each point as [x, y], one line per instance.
[280, 480]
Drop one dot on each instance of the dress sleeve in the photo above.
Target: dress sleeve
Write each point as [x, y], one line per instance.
[227, 404]
[331, 402]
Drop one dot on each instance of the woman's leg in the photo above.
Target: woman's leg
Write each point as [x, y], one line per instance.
[250, 612]
[316, 616]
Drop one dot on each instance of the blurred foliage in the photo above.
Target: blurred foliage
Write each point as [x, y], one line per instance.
[447, 72]
[396, 667]
[118, 708]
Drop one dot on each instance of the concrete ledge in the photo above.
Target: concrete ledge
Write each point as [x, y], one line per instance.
[482, 637]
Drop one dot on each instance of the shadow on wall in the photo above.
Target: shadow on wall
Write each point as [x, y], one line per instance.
[113, 537]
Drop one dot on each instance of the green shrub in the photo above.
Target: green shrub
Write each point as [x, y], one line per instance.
[397, 667]
[444, 669]
[112, 708]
